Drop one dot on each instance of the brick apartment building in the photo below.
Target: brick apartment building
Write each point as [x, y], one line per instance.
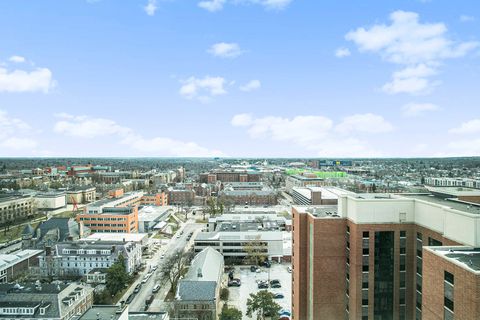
[380, 256]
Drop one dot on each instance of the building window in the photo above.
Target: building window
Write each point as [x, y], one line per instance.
[366, 234]
[403, 234]
[434, 242]
[384, 274]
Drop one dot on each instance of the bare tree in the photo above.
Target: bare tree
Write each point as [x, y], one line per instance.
[174, 267]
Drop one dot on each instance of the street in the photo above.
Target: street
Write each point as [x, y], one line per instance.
[138, 303]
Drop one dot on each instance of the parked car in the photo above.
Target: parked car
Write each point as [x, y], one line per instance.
[137, 288]
[149, 300]
[230, 275]
[156, 288]
[278, 296]
[263, 284]
[253, 268]
[274, 281]
[289, 269]
[276, 285]
[234, 283]
[162, 256]
[266, 264]
[130, 298]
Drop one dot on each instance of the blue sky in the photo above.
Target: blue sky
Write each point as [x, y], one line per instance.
[240, 78]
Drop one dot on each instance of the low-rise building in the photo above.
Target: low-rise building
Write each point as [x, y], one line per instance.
[155, 199]
[15, 207]
[44, 301]
[248, 193]
[51, 200]
[81, 194]
[198, 293]
[149, 217]
[15, 264]
[303, 180]
[77, 259]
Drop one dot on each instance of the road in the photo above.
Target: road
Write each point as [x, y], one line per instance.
[138, 303]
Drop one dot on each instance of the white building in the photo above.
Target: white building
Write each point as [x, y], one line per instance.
[79, 258]
[150, 216]
[51, 200]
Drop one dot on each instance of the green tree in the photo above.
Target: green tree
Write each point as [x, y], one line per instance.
[213, 207]
[263, 304]
[230, 314]
[117, 276]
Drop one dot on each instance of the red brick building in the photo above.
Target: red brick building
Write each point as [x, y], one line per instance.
[364, 259]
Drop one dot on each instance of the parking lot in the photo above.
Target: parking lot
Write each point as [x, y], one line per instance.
[239, 295]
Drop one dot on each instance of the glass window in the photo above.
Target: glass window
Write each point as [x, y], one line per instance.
[366, 234]
[449, 277]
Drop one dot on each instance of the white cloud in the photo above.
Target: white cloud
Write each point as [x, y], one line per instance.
[469, 147]
[242, 120]
[364, 123]
[225, 50]
[469, 127]
[88, 127]
[85, 127]
[342, 52]
[16, 59]
[14, 133]
[415, 45]
[39, 79]
[202, 89]
[212, 5]
[18, 143]
[417, 109]
[315, 134]
[251, 86]
[466, 18]
[217, 5]
[151, 7]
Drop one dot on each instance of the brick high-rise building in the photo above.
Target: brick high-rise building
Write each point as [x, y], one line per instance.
[381, 256]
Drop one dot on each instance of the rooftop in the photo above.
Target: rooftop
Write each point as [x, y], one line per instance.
[451, 203]
[454, 191]
[8, 260]
[466, 257]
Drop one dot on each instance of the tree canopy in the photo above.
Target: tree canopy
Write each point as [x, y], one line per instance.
[263, 304]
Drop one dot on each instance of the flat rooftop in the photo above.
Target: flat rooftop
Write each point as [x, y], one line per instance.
[454, 191]
[467, 257]
[320, 211]
[451, 203]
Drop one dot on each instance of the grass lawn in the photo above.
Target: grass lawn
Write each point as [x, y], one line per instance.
[15, 232]
[65, 214]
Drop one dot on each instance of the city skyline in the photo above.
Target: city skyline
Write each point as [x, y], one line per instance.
[251, 78]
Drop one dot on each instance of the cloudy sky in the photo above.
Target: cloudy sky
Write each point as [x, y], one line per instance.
[252, 78]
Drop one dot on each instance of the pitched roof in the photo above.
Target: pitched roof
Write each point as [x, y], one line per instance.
[196, 290]
[206, 266]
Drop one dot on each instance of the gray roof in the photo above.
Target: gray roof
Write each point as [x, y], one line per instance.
[196, 290]
[206, 266]
[67, 227]
[28, 230]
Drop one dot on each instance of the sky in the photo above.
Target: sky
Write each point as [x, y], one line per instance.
[239, 78]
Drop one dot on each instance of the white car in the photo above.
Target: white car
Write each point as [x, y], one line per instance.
[289, 269]
[162, 256]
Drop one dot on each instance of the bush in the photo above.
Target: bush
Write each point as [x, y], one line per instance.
[224, 294]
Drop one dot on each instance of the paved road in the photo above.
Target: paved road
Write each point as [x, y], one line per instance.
[138, 303]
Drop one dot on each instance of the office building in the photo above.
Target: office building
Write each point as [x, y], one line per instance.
[118, 214]
[15, 207]
[376, 256]
[81, 194]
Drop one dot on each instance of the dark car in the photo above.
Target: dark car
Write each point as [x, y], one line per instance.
[278, 296]
[263, 285]
[267, 264]
[234, 283]
[274, 281]
[130, 298]
[276, 285]
[230, 275]
[253, 268]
